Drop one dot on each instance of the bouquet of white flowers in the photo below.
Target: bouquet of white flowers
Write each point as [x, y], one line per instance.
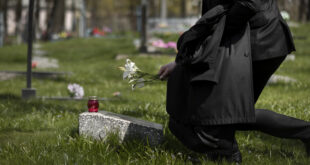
[135, 76]
[75, 90]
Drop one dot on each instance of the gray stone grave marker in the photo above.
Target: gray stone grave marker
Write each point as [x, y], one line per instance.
[99, 125]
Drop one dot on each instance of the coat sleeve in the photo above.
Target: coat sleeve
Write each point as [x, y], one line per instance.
[240, 13]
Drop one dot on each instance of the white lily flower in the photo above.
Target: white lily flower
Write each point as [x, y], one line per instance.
[130, 69]
[136, 78]
[126, 75]
[131, 66]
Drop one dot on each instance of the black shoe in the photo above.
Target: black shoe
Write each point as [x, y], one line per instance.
[307, 146]
[233, 158]
[236, 157]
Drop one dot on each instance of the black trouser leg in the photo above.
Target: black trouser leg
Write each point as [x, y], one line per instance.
[268, 121]
[262, 71]
[279, 125]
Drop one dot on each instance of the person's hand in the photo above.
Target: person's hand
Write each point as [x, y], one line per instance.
[165, 70]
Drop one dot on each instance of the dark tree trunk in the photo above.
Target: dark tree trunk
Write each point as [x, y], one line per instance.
[94, 10]
[308, 13]
[74, 16]
[36, 19]
[4, 9]
[18, 15]
[183, 8]
[302, 10]
[59, 17]
[132, 15]
[50, 21]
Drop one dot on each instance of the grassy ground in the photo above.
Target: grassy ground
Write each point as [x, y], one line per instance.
[45, 132]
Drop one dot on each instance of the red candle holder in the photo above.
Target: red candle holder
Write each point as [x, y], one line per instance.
[93, 104]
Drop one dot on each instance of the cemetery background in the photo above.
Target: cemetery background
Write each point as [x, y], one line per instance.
[43, 131]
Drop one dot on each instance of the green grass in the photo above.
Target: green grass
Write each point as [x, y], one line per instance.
[46, 132]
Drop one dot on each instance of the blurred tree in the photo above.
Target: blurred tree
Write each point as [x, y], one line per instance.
[303, 10]
[36, 17]
[50, 19]
[183, 8]
[308, 14]
[4, 9]
[18, 15]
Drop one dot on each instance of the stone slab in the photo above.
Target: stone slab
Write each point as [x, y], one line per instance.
[70, 98]
[6, 76]
[38, 74]
[44, 62]
[37, 52]
[99, 125]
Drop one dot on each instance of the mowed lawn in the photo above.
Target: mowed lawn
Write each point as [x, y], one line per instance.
[46, 132]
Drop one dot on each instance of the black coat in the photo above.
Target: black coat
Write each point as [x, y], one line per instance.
[212, 82]
[270, 35]
[214, 86]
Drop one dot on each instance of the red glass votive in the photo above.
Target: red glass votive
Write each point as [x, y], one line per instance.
[93, 104]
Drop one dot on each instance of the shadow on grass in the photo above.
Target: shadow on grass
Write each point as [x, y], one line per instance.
[22, 130]
[16, 104]
[74, 133]
[141, 113]
[54, 78]
[5, 96]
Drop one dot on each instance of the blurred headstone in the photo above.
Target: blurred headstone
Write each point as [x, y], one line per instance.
[274, 79]
[6, 76]
[290, 57]
[1, 29]
[121, 57]
[39, 52]
[44, 62]
[37, 46]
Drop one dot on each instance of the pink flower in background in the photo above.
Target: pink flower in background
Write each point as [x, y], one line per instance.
[172, 45]
[107, 29]
[34, 64]
[159, 44]
[162, 44]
